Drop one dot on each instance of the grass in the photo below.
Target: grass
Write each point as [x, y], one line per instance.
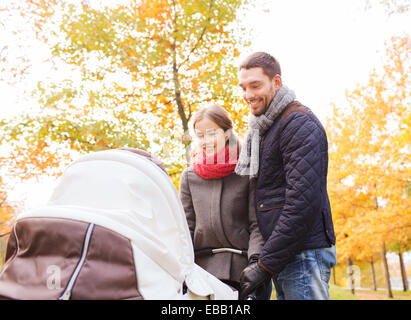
[337, 293]
[382, 295]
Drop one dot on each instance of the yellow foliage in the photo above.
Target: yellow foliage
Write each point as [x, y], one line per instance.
[370, 159]
[7, 210]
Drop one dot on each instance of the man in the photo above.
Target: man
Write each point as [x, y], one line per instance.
[286, 150]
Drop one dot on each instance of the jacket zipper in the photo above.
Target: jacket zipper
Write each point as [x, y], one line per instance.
[67, 292]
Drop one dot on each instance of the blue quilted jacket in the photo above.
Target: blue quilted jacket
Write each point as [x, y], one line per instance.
[292, 205]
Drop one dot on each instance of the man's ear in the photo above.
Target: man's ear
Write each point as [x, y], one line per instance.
[277, 82]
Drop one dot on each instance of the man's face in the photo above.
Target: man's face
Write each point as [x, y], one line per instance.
[258, 89]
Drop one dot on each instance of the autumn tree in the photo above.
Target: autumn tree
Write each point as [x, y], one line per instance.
[400, 248]
[161, 58]
[7, 210]
[391, 6]
[131, 74]
[17, 166]
[370, 159]
[20, 21]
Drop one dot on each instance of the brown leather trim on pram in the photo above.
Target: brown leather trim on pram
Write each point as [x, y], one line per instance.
[47, 250]
[109, 271]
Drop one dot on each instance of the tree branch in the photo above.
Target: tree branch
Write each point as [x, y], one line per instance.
[200, 37]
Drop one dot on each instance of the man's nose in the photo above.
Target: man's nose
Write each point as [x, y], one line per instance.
[249, 94]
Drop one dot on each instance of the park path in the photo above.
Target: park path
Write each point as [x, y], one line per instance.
[372, 295]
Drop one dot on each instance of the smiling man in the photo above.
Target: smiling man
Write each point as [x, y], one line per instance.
[286, 150]
[259, 88]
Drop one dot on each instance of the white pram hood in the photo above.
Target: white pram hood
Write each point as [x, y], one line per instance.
[131, 195]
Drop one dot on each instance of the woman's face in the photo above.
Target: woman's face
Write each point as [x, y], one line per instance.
[211, 138]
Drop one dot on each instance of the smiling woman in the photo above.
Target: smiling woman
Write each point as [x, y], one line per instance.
[213, 129]
[218, 203]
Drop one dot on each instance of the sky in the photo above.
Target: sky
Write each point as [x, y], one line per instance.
[325, 47]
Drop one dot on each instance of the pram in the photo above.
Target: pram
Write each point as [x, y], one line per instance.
[114, 228]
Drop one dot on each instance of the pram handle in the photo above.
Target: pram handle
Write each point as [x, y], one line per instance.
[210, 251]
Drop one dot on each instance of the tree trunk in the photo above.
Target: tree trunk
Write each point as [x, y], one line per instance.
[403, 272]
[387, 271]
[350, 276]
[184, 119]
[374, 276]
[177, 96]
[335, 281]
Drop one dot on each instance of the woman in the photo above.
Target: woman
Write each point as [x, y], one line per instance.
[218, 203]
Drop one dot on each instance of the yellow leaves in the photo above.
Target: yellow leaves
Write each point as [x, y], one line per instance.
[7, 209]
[148, 65]
[158, 9]
[370, 159]
[34, 159]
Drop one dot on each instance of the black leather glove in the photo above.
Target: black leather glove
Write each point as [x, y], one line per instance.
[252, 278]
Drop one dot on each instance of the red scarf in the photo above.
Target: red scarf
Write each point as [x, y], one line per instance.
[208, 168]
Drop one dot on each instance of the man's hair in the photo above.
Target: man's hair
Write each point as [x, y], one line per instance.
[270, 65]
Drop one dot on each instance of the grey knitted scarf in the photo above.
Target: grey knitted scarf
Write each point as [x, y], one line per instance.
[249, 156]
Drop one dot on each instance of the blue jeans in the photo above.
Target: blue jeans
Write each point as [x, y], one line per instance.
[306, 276]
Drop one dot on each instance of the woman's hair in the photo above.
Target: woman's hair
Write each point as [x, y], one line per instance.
[220, 117]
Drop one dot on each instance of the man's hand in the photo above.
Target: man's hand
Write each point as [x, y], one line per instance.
[252, 278]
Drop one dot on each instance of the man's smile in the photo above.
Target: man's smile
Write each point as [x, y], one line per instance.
[254, 103]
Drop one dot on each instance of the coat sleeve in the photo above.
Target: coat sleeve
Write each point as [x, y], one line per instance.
[300, 145]
[187, 202]
[256, 241]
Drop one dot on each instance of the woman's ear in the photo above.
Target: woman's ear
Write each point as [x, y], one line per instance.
[227, 135]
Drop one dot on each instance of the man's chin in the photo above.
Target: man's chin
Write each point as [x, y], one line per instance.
[257, 112]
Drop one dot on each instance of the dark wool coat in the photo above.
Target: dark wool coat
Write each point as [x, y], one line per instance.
[221, 213]
[293, 209]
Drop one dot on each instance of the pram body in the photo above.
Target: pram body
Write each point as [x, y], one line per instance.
[114, 228]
